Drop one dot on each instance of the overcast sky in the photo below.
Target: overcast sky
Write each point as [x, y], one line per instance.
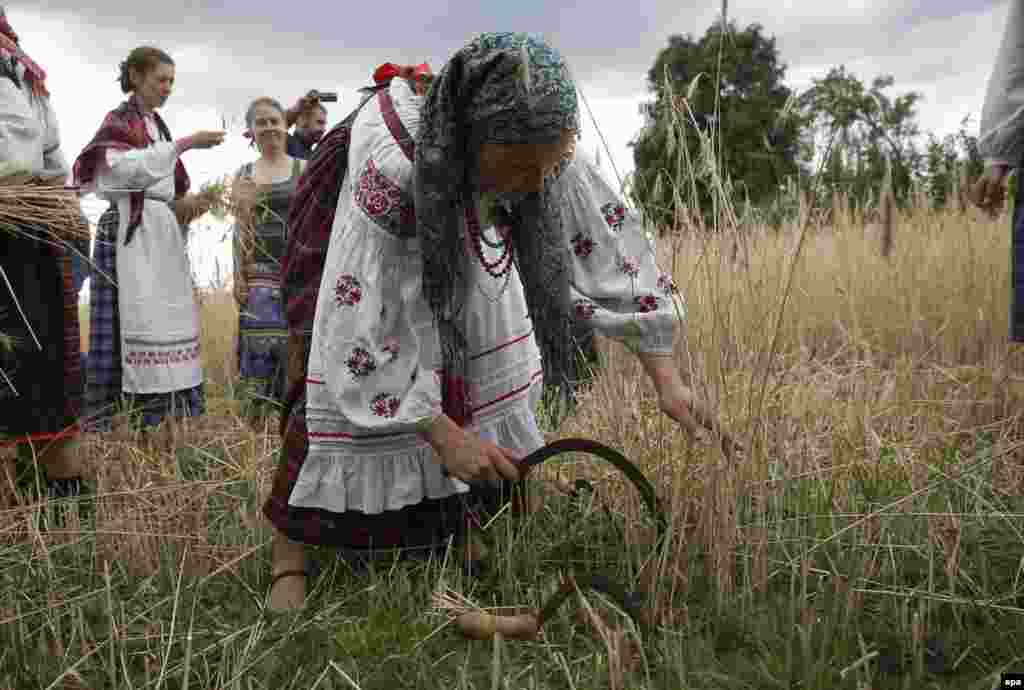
[229, 52]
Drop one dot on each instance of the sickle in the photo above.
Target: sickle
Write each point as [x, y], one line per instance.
[629, 600]
[608, 454]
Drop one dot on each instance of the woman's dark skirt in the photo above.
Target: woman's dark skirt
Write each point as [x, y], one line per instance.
[40, 388]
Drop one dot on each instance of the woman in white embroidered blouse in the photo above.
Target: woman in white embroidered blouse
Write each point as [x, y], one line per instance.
[135, 164]
[409, 395]
[40, 356]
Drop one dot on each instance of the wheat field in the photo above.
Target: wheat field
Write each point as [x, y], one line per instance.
[869, 537]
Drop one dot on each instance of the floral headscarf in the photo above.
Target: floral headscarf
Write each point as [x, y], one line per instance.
[505, 88]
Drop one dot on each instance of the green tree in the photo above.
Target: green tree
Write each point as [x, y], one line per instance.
[718, 99]
[863, 130]
[942, 169]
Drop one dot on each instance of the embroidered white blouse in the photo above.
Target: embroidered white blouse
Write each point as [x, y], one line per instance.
[29, 135]
[375, 356]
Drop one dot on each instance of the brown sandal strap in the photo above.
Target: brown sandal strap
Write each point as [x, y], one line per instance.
[287, 573]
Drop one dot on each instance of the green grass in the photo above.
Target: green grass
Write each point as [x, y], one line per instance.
[72, 607]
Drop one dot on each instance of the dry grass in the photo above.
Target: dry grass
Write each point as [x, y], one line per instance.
[875, 391]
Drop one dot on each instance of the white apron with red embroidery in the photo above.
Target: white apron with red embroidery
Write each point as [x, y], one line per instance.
[156, 298]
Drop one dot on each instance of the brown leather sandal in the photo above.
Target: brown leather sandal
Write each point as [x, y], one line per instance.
[287, 573]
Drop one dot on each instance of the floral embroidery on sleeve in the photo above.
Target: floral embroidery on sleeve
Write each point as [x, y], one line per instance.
[614, 215]
[630, 266]
[385, 202]
[361, 363]
[584, 309]
[385, 405]
[582, 245]
[392, 347]
[666, 284]
[347, 291]
[646, 303]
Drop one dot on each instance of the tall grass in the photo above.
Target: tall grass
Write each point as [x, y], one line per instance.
[870, 537]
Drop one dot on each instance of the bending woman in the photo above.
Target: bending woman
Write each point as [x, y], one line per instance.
[432, 324]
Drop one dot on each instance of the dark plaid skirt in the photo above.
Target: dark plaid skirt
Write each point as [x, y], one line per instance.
[103, 377]
[1017, 264]
[103, 392]
[147, 410]
[41, 387]
[426, 525]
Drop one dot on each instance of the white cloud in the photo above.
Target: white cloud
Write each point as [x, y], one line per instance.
[234, 52]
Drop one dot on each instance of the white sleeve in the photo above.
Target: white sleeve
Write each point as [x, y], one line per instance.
[379, 348]
[54, 161]
[1001, 135]
[20, 128]
[616, 283]
[139, 168]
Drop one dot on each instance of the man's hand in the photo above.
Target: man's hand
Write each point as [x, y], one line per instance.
[989, 191]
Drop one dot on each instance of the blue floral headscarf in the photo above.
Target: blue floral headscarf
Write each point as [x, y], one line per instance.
[507, 88]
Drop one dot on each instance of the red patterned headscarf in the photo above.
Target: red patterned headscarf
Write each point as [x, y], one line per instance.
[34, 74]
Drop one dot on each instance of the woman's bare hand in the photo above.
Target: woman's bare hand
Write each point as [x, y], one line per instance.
[468, 457]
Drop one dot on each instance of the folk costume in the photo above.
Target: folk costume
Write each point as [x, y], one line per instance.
[423, 308]
[144, 341]
[262, 330]
[40, 356]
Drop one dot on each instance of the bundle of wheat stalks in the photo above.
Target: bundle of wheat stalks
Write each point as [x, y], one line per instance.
[36, 207]
[219, 191]
[41, 209]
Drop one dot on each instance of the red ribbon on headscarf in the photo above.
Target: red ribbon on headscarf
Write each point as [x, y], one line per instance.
[419, 74]
[36, 75]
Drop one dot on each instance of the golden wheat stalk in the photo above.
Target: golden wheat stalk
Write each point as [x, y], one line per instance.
[48, 209]
[220, 192]
[451, 603]
[474, 622]
[247, 214]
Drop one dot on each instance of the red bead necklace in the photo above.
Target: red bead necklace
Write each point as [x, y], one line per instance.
[474, 235]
